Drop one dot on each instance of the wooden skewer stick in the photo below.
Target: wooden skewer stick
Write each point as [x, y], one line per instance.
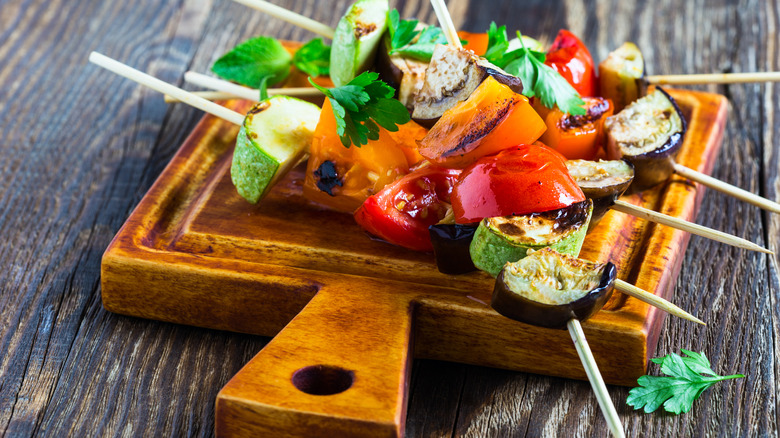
[216, 84]
[654, 300]
[166, 88]
[713, 78]
[690, 227]
[208, 95]
[290, 17]
[726, 188]
[594, 376]
[445, 21]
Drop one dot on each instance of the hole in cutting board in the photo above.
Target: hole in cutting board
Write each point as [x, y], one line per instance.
[323, 379]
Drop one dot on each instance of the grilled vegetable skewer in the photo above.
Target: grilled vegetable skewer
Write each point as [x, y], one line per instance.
[275, 134]
[648, 133]
[553, 290]
[605, 181]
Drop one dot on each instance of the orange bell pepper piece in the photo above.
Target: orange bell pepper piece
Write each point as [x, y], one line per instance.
[493, 118]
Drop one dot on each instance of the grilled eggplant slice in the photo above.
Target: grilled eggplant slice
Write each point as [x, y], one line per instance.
[547, 289]
[406, 75]
[451, 77]
[500, 240]
[451, 247]
[602, 182]
[622, 76]
[356, 40]
[275, 136]
[648, 134]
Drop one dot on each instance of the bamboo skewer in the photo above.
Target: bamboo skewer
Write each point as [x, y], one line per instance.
[216, 84]
[445, 21]
[290, 17]
[726, 188]
[594, 376]
[208, 95]
[690, 227]
[166, 88]
[713, 78]
[655, 301]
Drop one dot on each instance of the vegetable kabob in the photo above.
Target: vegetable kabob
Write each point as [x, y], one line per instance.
[623, 80]
[436, 95]
[284, 137]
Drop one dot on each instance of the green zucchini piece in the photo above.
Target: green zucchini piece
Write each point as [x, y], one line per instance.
[356, 40]
[621, 76]
[275, 136]
[500, 240]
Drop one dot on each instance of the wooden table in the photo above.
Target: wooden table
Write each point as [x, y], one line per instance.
[81, 146]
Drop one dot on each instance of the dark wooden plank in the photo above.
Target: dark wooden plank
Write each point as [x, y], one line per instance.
[80, 147]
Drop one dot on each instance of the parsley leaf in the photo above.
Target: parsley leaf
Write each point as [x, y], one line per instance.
[402, 32]
[497, 45]
[249, 62]
[538, 79]
[407, 41]
[313, 58]
[686, 378]
[542, 81]
[422, 49]
[362, 106]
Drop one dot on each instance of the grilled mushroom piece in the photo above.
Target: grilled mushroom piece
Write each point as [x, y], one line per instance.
[622, 76]
[602, 182]
[547, 289]
[648, 134]
[499, 240]
[451, 77]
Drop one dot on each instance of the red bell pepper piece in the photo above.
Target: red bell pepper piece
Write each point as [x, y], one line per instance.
[569, 57]
[402, 212]
[521, 180]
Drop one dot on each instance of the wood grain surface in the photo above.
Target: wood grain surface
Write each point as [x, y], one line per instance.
[81, 146]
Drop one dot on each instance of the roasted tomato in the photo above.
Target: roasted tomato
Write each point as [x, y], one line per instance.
[342, 178]
[520, 180]
[569, 57]
[578, 137]
[402, 212]
[493, 118]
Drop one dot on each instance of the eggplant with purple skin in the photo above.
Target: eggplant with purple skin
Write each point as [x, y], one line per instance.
[648, 133]
[451, 247]
[406, 75]
[547, 289]
[602, 182]
[452, 75]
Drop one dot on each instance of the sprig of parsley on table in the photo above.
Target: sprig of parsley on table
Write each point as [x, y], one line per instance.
[406, 40]
[686, 378]
[539, 80]
[361, 106]
[264, 58]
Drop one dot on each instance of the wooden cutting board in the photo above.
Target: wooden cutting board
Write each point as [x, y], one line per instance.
[348, 313]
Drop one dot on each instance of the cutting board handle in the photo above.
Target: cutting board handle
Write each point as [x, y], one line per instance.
[339, 368]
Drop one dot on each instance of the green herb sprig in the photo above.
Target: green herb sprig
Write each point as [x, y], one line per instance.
[362, 106]
[539, 80]
[686, 378]
[264, 59]
[406, 40]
